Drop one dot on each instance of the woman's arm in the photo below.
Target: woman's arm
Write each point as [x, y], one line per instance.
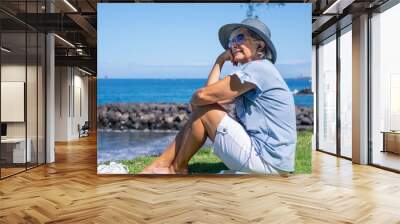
[227, 88]
[215, 73]
[213, 77]
[227, 101]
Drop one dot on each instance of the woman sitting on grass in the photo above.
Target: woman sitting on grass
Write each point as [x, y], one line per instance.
[263, 138]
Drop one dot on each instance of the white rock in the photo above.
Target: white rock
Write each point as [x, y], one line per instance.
[112, 168]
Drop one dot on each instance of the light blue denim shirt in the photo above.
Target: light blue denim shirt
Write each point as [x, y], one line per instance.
[268, 114]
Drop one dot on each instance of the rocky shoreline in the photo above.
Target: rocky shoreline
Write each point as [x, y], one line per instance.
[165, 116]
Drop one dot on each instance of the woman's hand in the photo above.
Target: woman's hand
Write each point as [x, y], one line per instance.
[216, 70]
[227, 56]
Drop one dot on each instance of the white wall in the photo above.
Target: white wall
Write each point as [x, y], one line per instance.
[13, 101]
[81, 94]
[14, 72]
[62, 81]
[70, 84]
[17, 72]
[33, 126]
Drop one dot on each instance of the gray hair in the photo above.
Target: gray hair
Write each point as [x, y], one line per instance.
[263, 53]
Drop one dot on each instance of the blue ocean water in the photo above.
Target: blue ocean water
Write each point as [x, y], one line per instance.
[171, 90]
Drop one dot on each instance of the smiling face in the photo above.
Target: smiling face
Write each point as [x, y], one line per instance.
[247, 50]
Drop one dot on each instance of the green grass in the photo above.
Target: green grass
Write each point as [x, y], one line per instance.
[204, 161]
[303, 152]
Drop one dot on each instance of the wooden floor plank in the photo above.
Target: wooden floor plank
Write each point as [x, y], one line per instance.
[70, 191]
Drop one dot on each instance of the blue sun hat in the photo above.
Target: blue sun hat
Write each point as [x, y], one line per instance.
[254, 25]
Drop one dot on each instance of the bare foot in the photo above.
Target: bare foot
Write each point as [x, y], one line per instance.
[163, 170]
[149, 169]
[156, 170]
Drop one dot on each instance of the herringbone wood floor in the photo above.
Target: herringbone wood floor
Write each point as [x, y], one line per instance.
[70, 191]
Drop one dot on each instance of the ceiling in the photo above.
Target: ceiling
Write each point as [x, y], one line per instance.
[332, 15]
[74, 22]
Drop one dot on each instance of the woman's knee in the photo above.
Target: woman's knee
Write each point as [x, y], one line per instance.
[207, 113]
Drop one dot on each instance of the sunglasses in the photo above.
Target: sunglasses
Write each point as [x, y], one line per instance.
[239, 39]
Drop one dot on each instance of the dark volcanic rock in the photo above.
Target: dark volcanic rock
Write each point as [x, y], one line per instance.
[141, 116]
[304, 92]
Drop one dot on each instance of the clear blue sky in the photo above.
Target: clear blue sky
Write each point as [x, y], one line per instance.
[163, 40]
